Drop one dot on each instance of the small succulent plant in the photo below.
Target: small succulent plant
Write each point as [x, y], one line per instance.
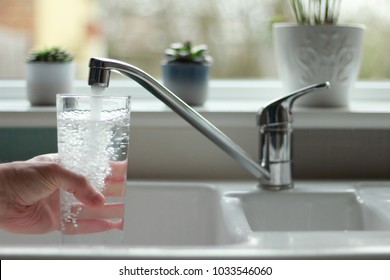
[187, 53]
[316, 12]
[53, 54]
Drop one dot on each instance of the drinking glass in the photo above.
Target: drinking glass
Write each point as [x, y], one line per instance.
[93, 138]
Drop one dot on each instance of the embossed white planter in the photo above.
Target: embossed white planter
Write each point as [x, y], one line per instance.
[311, 54]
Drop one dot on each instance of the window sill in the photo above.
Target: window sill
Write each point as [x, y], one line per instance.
[231, 104]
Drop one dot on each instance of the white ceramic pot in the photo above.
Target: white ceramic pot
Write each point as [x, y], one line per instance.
[312, 54]
[46, 79]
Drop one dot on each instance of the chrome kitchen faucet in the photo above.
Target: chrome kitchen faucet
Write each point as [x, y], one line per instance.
[275, 121]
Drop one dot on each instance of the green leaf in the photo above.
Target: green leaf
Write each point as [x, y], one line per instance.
[186, 52]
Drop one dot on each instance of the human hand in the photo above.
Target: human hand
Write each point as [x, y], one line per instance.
[29, 195]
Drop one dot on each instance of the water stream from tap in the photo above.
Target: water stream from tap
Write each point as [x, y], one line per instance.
[96, 103]
[94, 141]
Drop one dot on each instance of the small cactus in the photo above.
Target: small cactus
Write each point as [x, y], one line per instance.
[54, 54]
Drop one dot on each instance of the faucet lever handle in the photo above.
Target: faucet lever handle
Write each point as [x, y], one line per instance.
[275, 152]
[279, 110]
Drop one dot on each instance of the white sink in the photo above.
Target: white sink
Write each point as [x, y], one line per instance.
[218, 219]
[316, 207]
[314, 216]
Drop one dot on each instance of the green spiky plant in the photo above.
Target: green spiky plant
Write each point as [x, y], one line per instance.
[187, 53]
[316, 12]
[53, 54]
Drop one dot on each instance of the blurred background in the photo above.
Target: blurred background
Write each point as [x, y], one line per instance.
[238, 32]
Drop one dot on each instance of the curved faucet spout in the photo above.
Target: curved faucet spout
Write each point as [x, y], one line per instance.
[99, 75]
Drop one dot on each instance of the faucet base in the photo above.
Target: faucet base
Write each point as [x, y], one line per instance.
[270, 187]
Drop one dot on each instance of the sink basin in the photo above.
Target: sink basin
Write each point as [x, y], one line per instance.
[317, 217]
[303, 211]
[335, 207]
[174, 214]
[160, 214]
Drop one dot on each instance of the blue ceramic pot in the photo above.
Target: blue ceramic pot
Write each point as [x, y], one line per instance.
[189, 81]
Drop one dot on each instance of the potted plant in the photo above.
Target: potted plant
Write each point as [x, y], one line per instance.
[186, 71]
[48, 71]
[318, 49]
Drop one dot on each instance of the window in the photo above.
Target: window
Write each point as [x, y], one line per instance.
[237, 32]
